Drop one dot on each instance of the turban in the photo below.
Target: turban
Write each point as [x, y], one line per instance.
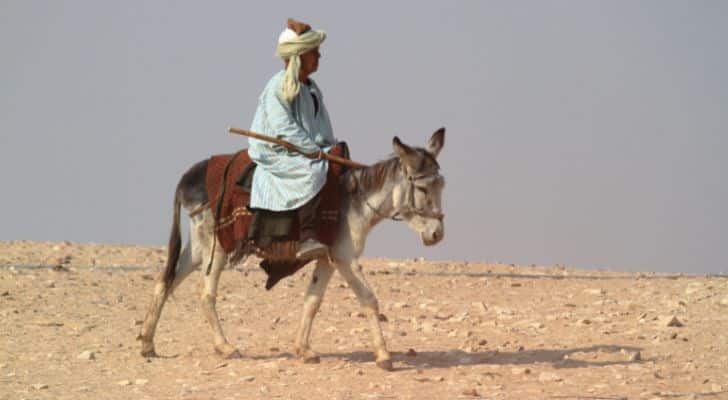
[295, 40]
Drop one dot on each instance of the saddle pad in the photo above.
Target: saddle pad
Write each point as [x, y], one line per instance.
[232, 214]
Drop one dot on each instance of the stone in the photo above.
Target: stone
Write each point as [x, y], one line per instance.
[125, 382]
[247, 378]
[141, 382]
[674, 322]
[595, 291]
[411, 353]
[470, 392]
[636, 356]
[39, 386]
[520, 371]
[549, 377]
[694, 287]
[87, 355]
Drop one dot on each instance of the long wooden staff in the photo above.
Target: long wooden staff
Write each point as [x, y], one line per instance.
[292, 147]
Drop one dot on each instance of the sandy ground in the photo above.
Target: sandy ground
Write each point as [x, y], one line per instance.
[70, 313]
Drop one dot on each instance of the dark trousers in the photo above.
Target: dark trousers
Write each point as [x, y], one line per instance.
[307, 218]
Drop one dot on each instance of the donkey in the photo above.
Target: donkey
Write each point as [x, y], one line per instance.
[406, 187]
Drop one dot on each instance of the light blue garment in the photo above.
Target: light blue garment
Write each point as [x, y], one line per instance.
[284, 180]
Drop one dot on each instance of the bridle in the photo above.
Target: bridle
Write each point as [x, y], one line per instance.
[409, 208]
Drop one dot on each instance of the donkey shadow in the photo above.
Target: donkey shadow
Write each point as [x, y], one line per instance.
[558, 358]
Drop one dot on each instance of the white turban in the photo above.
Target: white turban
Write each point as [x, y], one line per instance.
[290, 46]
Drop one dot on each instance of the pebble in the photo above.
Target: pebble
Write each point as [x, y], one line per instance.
[520, 371]
[247, 378]
[636, 356]
[595, 291]
[411, 353]
[87, 355]
[694, 287]
[471, 392]
[39, 386]
[125, 382]
[549, 377]
[674, 322]
[141, 381]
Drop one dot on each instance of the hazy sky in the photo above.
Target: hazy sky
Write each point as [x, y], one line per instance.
[585, 133]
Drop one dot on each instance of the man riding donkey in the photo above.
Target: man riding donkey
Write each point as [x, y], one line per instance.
[291, 114]
[291, 108]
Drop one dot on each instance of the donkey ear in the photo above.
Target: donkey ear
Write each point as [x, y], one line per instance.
[405, 153]
[437, 140]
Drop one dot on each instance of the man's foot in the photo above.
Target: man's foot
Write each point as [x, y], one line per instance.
[310, 249]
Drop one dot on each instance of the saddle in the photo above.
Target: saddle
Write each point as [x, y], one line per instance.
[272, 235]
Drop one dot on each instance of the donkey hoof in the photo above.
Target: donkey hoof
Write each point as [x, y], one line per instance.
[148, 353]
[311, 359]
[147, 349]
[228, 352]
[385, 365]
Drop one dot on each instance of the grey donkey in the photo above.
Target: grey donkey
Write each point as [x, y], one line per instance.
[406, 187]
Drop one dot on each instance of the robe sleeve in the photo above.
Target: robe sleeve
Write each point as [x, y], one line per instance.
[282, 122]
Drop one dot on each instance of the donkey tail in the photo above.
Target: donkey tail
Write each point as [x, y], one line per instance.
[174, 246]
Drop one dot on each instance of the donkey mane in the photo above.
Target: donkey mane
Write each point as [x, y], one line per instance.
[373, 177]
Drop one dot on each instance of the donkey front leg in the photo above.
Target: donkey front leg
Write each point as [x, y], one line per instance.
[208, 300]
[314, 295]
[352, 273]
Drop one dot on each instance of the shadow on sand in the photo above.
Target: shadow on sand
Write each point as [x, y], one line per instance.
[561, 358]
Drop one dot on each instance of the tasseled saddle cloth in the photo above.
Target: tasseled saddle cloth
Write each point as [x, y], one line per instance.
[274, 235]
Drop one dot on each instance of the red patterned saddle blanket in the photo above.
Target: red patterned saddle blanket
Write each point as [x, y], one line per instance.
[233, 215]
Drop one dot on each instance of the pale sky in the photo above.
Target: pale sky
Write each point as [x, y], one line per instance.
[582, 133]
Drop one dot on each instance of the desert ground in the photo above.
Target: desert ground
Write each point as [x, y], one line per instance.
[71, 312]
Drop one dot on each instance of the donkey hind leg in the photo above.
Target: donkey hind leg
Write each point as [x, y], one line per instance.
[314, 295]
[208, 299]
[355, 278]
[187, 263]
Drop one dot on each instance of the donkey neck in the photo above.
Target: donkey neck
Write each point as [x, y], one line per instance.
[373, 199]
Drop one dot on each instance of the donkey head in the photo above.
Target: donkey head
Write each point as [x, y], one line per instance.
[417, 197]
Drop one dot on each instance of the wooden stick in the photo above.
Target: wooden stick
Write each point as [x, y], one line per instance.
[291, 147]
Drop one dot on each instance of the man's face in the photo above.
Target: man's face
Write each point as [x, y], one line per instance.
[309, 61]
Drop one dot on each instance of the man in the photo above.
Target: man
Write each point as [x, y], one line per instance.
[291, 108]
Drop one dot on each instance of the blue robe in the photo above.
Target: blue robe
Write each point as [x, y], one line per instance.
[285, 180]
